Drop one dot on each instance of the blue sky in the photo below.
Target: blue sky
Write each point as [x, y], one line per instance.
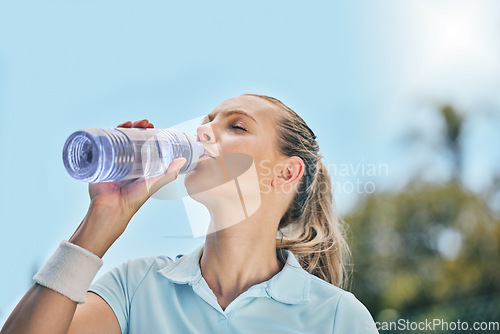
[361, 74]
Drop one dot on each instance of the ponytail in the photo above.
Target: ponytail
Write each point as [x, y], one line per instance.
[316, 233]
[310, 228]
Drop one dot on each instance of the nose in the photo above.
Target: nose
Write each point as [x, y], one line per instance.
[204, 133]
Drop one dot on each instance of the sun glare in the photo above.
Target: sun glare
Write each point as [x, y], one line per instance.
[457, 34]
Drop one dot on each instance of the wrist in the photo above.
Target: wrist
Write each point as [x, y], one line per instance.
[98, 230]
[97, 247]
[69, 271]
[101, 208]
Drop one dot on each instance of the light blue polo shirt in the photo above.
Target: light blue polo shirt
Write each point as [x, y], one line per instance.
[161, 295]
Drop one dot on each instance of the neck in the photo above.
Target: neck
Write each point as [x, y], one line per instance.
[240, 255]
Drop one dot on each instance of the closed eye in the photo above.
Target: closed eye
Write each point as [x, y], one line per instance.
[238, 127]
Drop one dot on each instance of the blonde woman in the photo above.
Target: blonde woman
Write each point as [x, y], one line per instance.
[244, 278]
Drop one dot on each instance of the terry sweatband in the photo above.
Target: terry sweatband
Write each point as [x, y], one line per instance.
[69, 271]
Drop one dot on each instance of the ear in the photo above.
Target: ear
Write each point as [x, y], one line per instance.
[290, 174]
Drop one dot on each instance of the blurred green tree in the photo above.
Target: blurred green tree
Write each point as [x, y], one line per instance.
[426, 244]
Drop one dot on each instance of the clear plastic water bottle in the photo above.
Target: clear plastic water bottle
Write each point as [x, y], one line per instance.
[102, 155]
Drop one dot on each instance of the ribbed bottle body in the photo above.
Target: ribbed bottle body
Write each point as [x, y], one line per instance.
[105, 155]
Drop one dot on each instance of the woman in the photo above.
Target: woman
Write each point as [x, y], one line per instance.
[243, 279]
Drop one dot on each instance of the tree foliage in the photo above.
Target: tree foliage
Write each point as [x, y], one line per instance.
[426, 244]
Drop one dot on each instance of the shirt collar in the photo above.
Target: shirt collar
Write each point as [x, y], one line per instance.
[291, 285]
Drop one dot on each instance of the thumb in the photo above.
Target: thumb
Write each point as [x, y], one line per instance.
[155, 183]
[175, 165]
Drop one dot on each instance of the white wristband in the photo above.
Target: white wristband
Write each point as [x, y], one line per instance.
[69, 271]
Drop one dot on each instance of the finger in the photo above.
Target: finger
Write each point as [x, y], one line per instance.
[150, 126]
[169, 175]
[127, 124]
[140, 124]
[176, 165]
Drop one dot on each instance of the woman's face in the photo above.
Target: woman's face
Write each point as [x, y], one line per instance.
[240, 134]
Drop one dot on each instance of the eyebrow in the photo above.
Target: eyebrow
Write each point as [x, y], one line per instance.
[227, 114]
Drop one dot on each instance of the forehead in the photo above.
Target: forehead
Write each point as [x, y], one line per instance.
[256, 107]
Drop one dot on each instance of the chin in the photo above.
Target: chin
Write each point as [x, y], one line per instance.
[209, 183]
[204, 189]
[207, 175]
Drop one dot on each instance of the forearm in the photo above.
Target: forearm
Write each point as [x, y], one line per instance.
[41, 311]
[49, 305]
[99, 229]
[112, 205]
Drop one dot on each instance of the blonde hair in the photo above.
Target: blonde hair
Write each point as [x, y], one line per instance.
[317, 233]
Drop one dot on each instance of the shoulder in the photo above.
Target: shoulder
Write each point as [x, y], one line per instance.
[324, 289]
[131, 274]
[119, 285]
[142, 265]
[350, 314]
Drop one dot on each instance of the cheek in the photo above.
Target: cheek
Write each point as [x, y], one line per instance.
[257, 151]
[265, 170]
[231, 144]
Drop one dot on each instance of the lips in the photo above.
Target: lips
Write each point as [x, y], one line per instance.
[207, 154]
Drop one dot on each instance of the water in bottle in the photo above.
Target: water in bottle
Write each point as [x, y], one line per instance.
[102, 155]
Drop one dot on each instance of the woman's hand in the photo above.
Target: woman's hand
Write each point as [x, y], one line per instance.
[113, 204]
